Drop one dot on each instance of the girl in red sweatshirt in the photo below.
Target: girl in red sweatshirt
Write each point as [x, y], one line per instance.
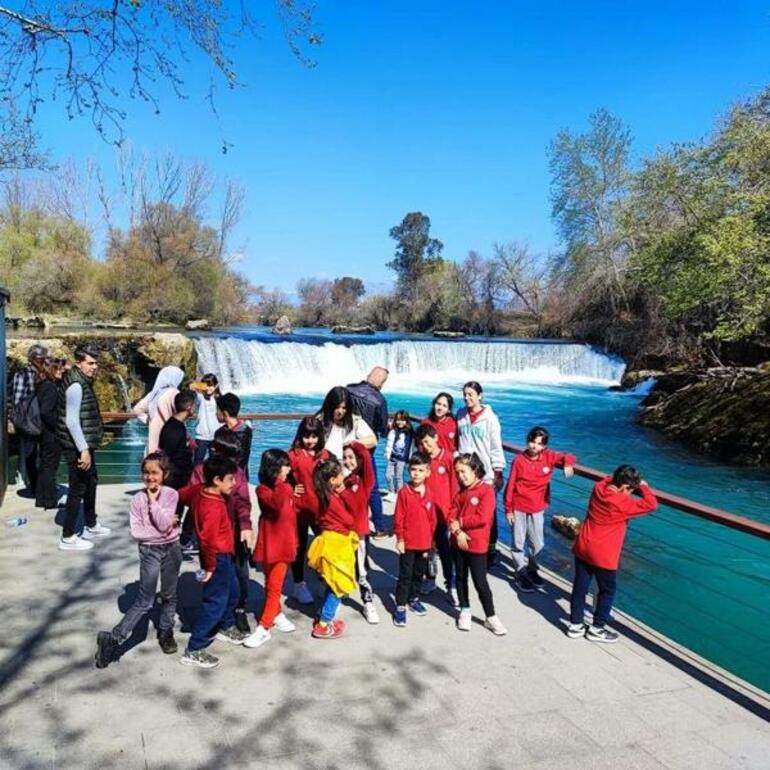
[359, 482]
[277, 543]
[598, 547]
[527, 495]
[470, 525]
[415, 524]
[442, 487]
[305, 453]
[333, 552]
[441, 419]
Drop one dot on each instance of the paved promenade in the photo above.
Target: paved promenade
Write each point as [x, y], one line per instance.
[426, 696]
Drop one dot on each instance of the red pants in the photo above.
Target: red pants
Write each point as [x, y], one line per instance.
[274, 576]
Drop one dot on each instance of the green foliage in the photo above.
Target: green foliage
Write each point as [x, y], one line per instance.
[416, 252]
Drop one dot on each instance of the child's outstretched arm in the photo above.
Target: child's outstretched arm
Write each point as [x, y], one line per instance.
[564, 460]
[365, 466]
[647, 504]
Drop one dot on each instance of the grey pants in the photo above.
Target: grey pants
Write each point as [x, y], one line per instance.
[154, 561]
[394, 474]
[528, 539]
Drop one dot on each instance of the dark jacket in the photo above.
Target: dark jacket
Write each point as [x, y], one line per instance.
[48, 399]
[90, 419]
[244, 433]
[371, 405]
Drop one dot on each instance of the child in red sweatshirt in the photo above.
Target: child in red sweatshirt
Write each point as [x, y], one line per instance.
[214, 529]
[470, 525]
[276, 540]
[359, 482]
[527, 495]
[442, 486]
[598, 547]
[414, 526]
[305, 453]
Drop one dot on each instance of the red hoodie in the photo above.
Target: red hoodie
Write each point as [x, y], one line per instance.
[303, 464]
[358, 488]
[414, 518]
[238, 501]
[601, 536]
[442, 483]
[212, 523]
[474, 509]
[277, 535]
[446, 428]
[338, 516]
[529, 485]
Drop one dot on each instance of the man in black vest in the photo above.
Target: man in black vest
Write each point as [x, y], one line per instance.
[79, 430]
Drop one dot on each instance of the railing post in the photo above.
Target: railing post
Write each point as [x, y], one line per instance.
[4, 298]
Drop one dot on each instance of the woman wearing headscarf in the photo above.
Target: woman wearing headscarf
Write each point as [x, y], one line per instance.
[158, 405]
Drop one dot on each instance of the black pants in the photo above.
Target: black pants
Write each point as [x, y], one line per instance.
[298, 566]
[28, 449]
[476, 564]
[444, 553]
[49, 456]
[82, 488]
[177, 481]
[241, 564]
[411, 573]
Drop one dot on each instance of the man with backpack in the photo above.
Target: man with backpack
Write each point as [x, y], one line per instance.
[369, 402]
[23, 416]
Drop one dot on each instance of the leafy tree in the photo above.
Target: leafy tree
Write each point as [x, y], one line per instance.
[315, 295]
[347, 291]
[416, 252]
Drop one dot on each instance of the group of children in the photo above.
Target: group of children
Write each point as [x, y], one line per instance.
[444, 513]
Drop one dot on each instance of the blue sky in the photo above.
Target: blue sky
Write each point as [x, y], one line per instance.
[443, 107]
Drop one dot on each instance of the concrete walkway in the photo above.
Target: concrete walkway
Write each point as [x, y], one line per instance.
[426, 696]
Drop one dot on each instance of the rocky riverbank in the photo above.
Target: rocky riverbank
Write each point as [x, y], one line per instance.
[128, 362]
[723, 412]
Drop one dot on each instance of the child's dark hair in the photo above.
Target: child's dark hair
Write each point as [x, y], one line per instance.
[217, 468]
[308, 426]
[184, 400]
[323, 473]
[626, 475]
[229, 403]
[449, 399]
[473, 385]
[270, 466]
[161, 458]
[473, 461]
[418, 458]
[334, 398]
[210, 379]
[538, 432]
[423, 431]
[225, 444]
[402, 414]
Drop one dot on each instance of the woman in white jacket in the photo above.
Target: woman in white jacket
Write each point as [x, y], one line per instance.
[479, 431]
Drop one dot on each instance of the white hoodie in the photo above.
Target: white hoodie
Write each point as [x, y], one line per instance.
[484, 437]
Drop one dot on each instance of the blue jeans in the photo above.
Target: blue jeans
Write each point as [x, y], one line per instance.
[330, 606]
[220, 597]
[605, 580]
[375, 501]
[201, 450]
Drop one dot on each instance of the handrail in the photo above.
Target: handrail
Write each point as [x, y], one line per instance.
[716, 515]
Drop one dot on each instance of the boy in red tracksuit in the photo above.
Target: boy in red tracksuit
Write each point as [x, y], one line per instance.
[442, 486]
[527, 495]
[415, 523]
[215, 537]
[598, 547]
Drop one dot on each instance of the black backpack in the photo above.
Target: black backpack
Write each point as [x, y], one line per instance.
[25, 416]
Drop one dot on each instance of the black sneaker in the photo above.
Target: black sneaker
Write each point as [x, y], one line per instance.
[380, 534]
[536, 580]
[105, 649]
[167, 642]
[190, 548]
[524, 584]
[242, 622]
[605, 635]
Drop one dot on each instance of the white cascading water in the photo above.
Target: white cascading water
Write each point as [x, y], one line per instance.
[251, 366]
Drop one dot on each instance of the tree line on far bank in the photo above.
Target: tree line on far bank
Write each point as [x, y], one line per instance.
[667, 261]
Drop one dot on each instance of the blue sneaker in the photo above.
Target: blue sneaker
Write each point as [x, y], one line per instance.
[399, 617]
[417, 607]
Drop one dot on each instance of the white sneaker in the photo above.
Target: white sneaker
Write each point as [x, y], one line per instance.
[464, 620]
[370, 613]
[495, 625]
[258, 638]
[74, 543]
[283, 624]
[92, 533]
[302, 594]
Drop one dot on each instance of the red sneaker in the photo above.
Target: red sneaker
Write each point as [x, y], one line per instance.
[328, 631]
[339, 626]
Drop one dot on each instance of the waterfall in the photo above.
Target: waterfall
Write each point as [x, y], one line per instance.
[253, 366]
[124, 393]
